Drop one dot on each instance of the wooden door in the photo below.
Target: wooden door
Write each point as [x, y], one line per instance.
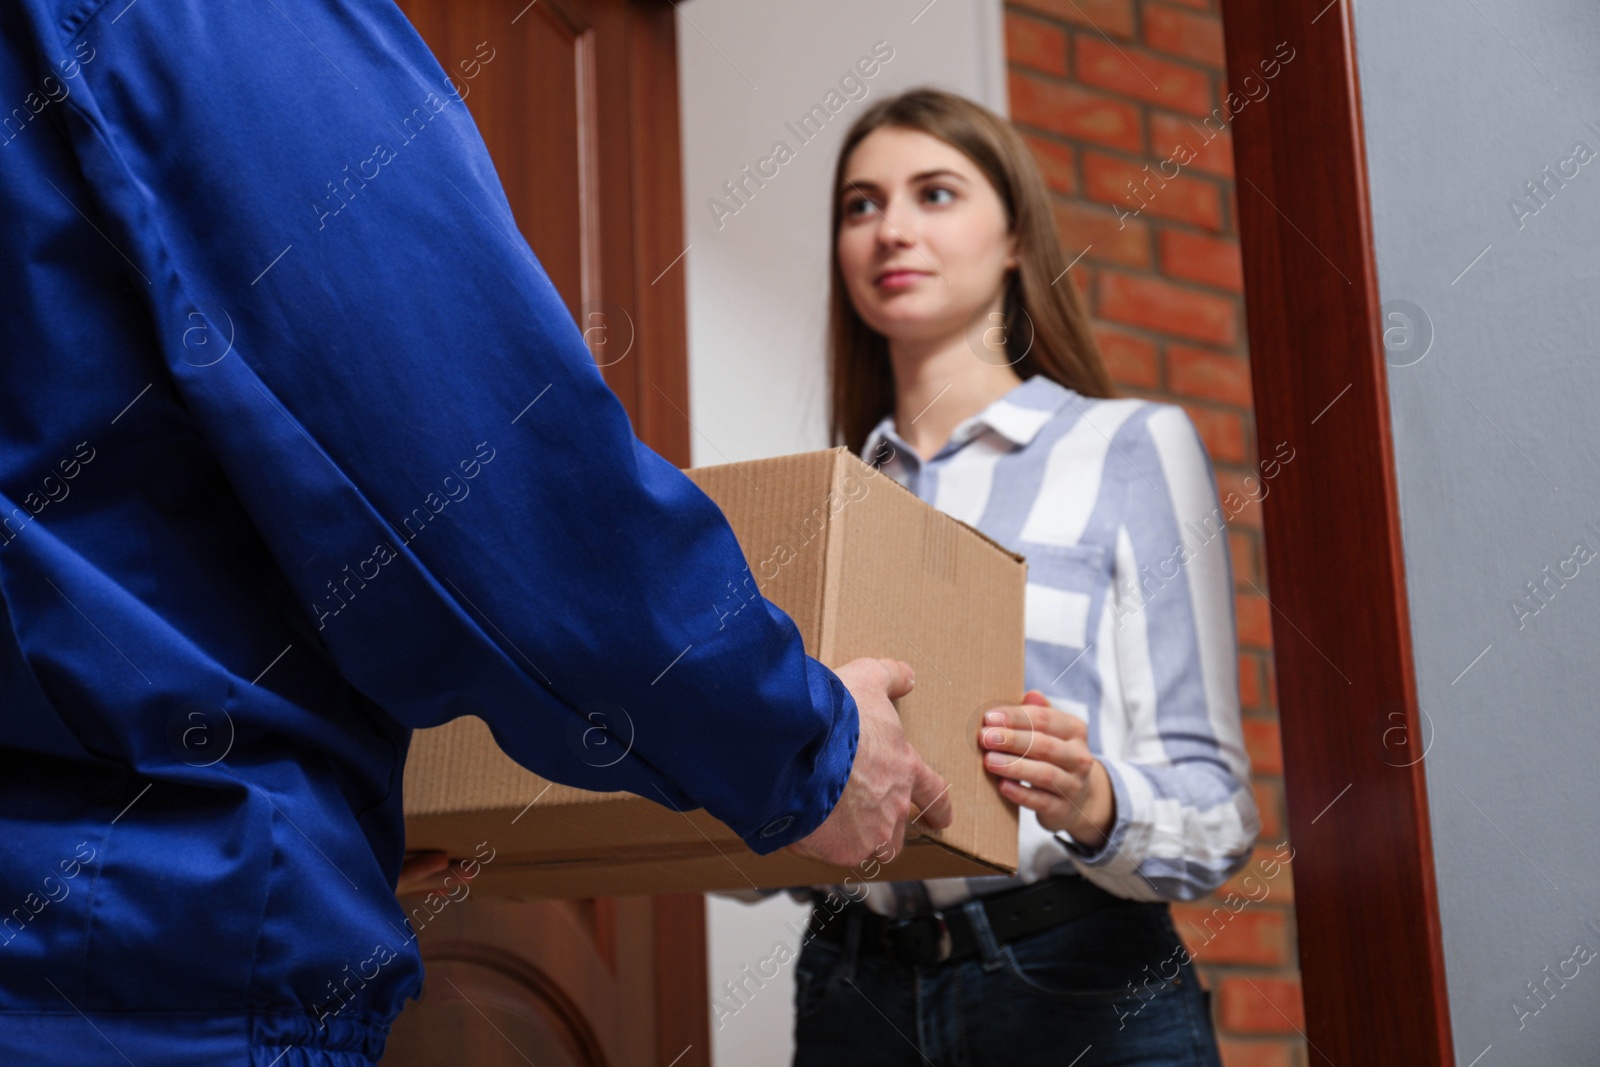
[577, 102]
[1366, 905]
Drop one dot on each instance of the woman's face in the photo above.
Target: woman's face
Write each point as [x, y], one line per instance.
[923, 243]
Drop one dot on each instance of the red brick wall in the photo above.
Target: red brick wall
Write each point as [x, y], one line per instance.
[1104, 89]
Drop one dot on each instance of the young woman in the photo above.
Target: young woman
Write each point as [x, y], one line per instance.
[963, 366]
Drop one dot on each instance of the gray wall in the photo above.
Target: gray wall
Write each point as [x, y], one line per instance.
[1495, 392]
[757, 286]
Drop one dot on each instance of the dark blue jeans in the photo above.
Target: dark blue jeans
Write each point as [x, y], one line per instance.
[1112, 988]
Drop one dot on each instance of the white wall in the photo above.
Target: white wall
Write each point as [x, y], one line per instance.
[757, 283]
[1496, 456]
[757, 289]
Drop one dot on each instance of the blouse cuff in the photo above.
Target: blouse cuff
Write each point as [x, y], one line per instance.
[1116, 841]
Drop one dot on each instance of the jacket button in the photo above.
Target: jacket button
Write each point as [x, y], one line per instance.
[777, 826]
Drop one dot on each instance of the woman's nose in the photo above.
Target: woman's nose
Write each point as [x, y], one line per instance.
[896, 226]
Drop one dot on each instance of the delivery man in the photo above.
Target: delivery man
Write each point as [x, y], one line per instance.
[300, 451]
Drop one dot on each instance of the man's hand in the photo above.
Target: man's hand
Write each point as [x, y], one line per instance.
[422, 871]
[887, 778]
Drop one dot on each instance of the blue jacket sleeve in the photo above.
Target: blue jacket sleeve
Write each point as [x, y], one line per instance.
[412, 420]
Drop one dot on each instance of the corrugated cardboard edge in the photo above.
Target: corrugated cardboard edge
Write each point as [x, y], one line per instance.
[873, 472]
[833, 555]
[941, 525]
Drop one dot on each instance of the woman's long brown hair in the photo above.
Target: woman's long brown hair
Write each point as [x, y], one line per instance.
[1062, 347]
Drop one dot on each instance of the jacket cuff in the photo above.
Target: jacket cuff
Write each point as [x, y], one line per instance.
[814, 797]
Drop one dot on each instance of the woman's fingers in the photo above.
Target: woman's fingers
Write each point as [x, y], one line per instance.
[1040, 754]
[1056, 796]
[1052, 777]
[1043, 718]
[1013, 745]
[1041, 801]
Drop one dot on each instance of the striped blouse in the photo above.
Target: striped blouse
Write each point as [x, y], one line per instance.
[1129, 626]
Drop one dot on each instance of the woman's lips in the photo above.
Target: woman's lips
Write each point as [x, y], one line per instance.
[899, 279]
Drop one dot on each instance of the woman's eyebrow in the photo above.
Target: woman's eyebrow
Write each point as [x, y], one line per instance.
[864, 185]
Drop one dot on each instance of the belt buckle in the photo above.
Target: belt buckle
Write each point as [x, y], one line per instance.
[946, 945]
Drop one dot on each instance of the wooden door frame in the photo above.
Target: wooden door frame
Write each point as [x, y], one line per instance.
[641, 188]
[1371, 957]
[654, 388]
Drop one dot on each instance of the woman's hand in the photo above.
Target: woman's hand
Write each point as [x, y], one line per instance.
[1041, 755]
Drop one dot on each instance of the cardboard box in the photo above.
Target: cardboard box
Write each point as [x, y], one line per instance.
[864, 568]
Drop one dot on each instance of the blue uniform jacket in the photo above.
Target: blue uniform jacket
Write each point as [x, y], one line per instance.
[300, 451]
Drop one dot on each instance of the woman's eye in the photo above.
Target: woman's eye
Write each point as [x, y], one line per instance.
[857, 208]
[938, 194]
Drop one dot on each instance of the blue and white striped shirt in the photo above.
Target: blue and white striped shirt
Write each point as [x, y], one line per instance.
[1129, 623]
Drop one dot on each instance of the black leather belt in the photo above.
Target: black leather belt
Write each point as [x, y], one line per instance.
[944, 936]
